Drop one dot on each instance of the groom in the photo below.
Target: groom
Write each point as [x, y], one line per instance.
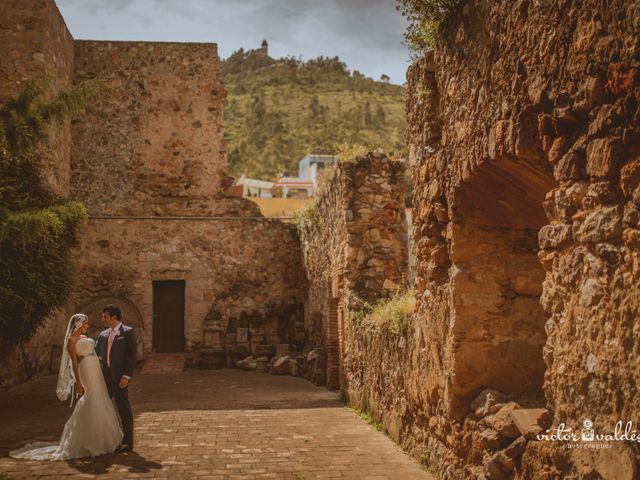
[116, 347]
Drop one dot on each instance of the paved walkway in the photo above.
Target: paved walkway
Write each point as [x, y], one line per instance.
[224, 424]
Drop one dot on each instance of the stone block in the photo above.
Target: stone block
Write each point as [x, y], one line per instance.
[503, 423]
[280, 366]
[262, 365]
[630, 177]
[248, 363]
[294, 368]
[555, 236]
[600, 225]
[603, 155]
[282, 349]
[516, 448]
[529, 421]
[485, 400]
[571, 166]
[242, 335]
[491, 440]
[498, 466]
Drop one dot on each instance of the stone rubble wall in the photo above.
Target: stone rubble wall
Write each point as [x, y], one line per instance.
[525, 129]
[354, 243]
[36, 43]
[248, 272]
[153, 145]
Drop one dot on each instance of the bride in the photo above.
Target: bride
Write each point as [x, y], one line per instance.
[93, 428]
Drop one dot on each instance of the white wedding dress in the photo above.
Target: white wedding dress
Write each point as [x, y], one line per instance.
[93, 428]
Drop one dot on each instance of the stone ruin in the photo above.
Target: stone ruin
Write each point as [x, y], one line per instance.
[524, 129]
[148, 160]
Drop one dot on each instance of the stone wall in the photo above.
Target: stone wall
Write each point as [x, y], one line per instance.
[238, 273]
[35, 43]
[153, 146]
[525, 130]
[354, 242]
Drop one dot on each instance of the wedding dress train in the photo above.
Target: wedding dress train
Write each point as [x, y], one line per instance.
[93, 428]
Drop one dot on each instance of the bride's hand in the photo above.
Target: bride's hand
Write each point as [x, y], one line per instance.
[79, 389]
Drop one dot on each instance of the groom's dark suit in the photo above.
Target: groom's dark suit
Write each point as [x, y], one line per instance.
[122, 361]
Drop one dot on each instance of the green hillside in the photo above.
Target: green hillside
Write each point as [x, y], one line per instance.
[279, 110]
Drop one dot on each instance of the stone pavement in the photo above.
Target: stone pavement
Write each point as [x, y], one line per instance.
[224, 424]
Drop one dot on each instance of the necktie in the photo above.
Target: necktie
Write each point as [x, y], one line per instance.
[111, 337]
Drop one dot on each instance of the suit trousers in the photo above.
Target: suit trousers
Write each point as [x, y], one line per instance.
[121, 397]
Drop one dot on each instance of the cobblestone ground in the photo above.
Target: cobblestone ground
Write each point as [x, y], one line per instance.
[223, 424]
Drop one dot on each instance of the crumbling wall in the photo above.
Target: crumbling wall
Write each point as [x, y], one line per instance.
[354, 242]
[244, 271]
[524, 125]
[153, 147]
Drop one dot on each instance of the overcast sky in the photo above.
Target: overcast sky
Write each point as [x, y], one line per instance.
[366, 34]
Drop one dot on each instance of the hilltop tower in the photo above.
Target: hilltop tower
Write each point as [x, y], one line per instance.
[264, 48]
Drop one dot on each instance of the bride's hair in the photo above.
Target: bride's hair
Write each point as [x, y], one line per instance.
[66, 377]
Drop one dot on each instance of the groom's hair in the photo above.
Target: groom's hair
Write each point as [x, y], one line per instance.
[113, 311]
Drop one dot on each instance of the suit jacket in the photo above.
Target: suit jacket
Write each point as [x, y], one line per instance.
[123, 352]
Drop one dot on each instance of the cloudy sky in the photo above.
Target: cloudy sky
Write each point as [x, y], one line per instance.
[365, 34]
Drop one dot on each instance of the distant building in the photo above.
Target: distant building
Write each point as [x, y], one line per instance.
[306, 183]
[310, 165]
[264, 48]
[293, 187]
[250, 187]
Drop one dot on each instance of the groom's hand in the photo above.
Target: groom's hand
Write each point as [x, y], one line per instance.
[124, 382]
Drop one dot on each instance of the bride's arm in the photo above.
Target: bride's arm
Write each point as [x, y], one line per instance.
[71, 346]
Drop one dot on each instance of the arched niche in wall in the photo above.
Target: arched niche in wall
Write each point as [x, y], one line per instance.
[130, 316]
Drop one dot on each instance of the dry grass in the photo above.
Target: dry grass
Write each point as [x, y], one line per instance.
[393, 314]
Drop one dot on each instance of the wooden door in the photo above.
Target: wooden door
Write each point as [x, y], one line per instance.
[168, 316]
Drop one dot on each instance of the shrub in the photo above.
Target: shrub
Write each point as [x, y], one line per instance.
[425, 17]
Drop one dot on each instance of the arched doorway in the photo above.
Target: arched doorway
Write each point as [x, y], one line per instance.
[497, 321]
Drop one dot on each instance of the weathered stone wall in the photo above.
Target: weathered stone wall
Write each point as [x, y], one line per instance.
[354, 243]
[154, 144]
[35, 43]
[248, 271]
[526, 125]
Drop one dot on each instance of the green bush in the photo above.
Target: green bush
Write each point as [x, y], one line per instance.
[425, 17]
[37, 228]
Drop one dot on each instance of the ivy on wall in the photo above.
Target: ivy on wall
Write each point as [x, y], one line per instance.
[37, 228]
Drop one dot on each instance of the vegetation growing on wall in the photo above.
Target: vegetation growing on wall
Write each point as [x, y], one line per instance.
[392, 314]
[425, 17]
[37, 229]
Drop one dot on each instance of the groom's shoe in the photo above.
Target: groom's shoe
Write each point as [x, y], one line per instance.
[124, 449]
